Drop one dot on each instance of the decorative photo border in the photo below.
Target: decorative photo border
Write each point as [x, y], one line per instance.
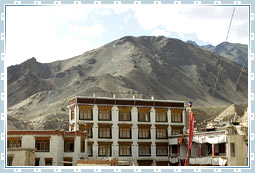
[3, 88]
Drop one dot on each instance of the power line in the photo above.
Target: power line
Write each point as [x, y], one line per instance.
[222, 56]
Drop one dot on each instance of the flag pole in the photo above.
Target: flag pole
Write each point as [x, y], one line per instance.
[191, 129]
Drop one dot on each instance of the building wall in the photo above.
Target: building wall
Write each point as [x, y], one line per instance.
[134, 121]
[22, 157]
[241, 151]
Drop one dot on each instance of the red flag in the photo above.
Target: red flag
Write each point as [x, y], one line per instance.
[191, 132]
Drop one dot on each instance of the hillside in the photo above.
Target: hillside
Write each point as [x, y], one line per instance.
[146, 66]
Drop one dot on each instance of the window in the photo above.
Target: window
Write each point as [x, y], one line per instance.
[124, 114]
[68, 144]
[42, 144]
[232, 149]
[88, 128]
[161, 115]
[72, 113]
[176, 115]
[86, 114]
[125, 132]
[220, 149]
[9, 161]
[14, 142]
[90, 151]
[144, 133]
[105, 132]
[162, 149]
[105, 149]
[161, 132]
[125, 149]
[37, 161]
[174, 150]
[144, 114]
[68, 161]
[176, 130]
[144, 149]
[48, 161]
[105, 113]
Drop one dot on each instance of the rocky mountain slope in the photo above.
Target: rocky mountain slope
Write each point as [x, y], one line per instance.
[233, 51]
[145, 66]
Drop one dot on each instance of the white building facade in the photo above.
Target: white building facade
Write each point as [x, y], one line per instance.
[132, 131]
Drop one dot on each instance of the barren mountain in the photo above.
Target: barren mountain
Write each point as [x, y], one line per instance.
[162, 67]
[234, 51]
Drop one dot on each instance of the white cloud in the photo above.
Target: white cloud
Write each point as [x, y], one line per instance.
[160, 32]
[210, 24]
[95, 31]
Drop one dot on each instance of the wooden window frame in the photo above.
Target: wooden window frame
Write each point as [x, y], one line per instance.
[143, 114]
[105, 109]
[41, 144]
[14, 142]
[160, 145]
[130, 132]
[99, 132]
[72, 113]
[88, 128]
[142, 128]
[176, 127]
[130, 149]
[175, 113]
[90, 147]
[104, 144]
[161, 112]
[165, 131]
[68, 159]
[68, 142]
[84, 112]
[48, 160]
[37, 160]
[141, 146]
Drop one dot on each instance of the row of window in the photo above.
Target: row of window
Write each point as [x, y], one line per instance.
[143, 116]
[104, 149]
[126, 132]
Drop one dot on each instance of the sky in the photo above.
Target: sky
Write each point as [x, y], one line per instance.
[51, 33]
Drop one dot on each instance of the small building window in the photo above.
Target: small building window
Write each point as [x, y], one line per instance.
[144, 133]
[42, 144]
[9, 161]
[85, 115]
[176, 115]
[173, 150]
[68, 144]
[162, 149]
[232, 150]
[37, 161]
[88, 128]
[48, 161]
[105, 149]
[161, 115]
[83, 147]
[105, 113]
[68, 161]
[105, 132]
[220, 149]
[144, 116]
[176, 130]
[125, 132]
[13, 142]
[144, 149]
[124, 113]
[72, 113]
[125, 149]
[161, 132]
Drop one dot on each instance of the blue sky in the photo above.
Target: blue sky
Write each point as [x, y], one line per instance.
[58, 32]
